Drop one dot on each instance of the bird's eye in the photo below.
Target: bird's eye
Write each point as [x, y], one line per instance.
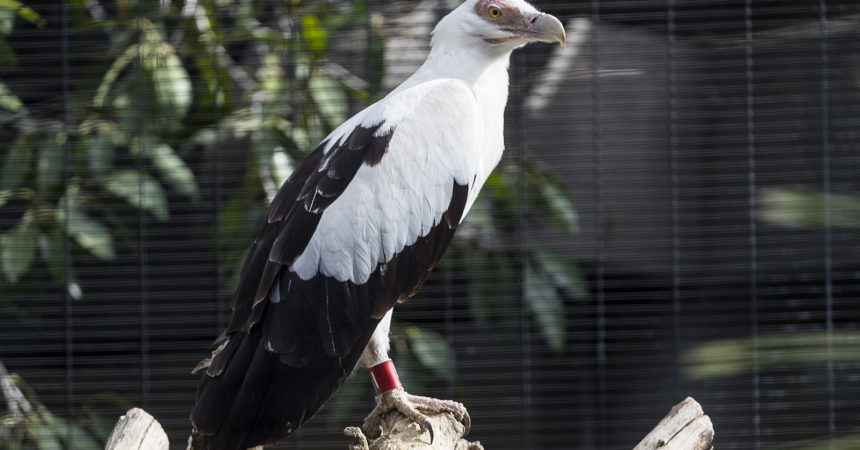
[494, 12]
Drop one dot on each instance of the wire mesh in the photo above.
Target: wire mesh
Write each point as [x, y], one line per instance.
[677, 212]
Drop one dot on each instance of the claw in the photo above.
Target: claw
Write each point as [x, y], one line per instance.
[429, 427]
[467, 421]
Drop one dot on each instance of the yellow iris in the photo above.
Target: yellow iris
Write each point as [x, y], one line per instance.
[495, 12]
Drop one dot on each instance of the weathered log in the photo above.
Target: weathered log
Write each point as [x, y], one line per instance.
[137, 430]
[686, 427]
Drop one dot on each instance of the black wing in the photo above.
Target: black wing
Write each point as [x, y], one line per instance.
[291, 343]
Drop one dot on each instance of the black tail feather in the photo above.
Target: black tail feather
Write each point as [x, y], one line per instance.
[259, 400]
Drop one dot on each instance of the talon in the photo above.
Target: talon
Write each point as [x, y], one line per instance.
[429, 427]
[467, 421]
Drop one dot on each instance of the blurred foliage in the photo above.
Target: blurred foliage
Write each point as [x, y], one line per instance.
[846, 442]
[29, 424]
[793, 208]
[804, 208]
[738, 356]
[179, 81]
[499, 266]
[171, 85]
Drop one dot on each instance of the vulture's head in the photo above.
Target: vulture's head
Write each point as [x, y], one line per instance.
[501, 25]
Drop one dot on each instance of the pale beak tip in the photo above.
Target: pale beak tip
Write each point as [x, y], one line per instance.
[552, 30]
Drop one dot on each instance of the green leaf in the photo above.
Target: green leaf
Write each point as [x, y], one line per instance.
[102, 146]
[10, 101]
[7, 22]
[90, 234]
[313, 33]
[563, 272]
[158, 92]
[282, 165]
[44, 437]
[69, 434]
[170, 79]
[100, 424]
[553, 197]
[7, 55]
[302, 139]
[17, 164]
[270, 74]
[432, 351]
[140, 190]
[119, 64]
[330, 98]
[557, 203]
[491, 283]
[5, 196]
[49, 167]
[547, 307]
[174, 170]
[23, 11]
[52, 252]
[240, 213]
[19, 249]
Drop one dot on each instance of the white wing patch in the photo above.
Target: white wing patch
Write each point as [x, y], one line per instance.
[438, 133]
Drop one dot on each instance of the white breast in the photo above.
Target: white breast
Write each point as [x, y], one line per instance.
[437, 140]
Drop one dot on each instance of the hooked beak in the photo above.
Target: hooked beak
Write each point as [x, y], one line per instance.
[546, 28]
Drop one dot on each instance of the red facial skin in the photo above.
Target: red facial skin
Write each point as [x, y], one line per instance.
[511, 20]
[511, 16]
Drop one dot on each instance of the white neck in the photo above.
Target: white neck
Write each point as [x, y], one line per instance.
[487, 75]
[464, 63]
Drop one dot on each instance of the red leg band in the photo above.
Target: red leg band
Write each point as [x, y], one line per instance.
[384, 377]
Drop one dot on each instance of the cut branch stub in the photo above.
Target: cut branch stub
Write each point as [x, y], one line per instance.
[137, 430]
[686, 427]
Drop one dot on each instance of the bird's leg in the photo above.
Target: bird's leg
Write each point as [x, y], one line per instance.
[391, 394]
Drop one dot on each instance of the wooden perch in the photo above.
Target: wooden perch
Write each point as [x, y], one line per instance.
[137, 430]
[400, 433]
[686, 427]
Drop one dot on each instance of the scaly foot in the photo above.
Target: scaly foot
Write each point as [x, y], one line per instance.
[411, 406]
